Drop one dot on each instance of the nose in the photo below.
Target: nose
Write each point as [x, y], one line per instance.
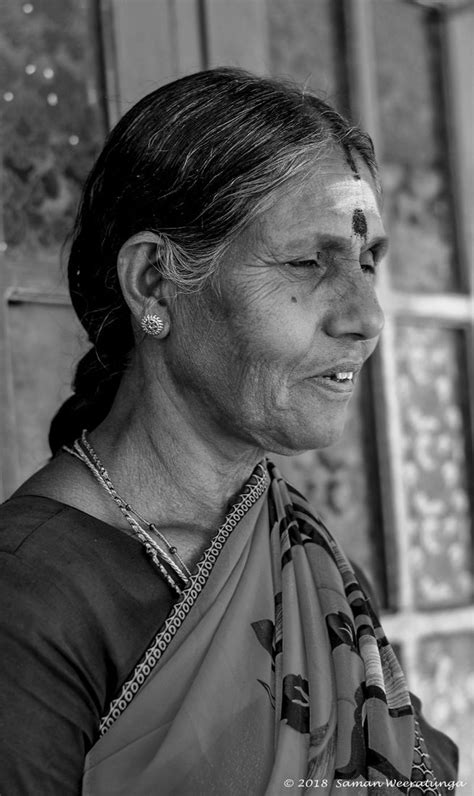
[355, 310]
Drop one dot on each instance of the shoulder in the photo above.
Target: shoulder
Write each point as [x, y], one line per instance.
[77, 584]
[61, 549]
[46, 533]
[53, 577]
[36, 551]
[80, 603]
[57, 547]
[21, 516]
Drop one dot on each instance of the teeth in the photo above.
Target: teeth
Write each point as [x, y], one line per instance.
[344, 375]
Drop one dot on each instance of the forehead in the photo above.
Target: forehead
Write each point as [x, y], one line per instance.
[336, 197]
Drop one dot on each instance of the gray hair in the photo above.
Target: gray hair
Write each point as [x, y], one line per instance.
[192, 162]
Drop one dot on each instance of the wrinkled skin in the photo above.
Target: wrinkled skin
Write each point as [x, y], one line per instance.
[292, 303]
[238, 371]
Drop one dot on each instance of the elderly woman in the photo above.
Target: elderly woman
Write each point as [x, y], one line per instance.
[178, 620]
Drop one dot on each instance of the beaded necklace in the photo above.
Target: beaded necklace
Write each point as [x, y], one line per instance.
[160, 550]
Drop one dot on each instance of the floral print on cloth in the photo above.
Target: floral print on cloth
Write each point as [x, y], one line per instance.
[356, 714]
[271, 673]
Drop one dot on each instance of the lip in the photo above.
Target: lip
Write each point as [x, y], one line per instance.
[337, 389]
[341, 367]
[342, 390]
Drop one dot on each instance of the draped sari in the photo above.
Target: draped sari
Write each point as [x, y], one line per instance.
[270, 675]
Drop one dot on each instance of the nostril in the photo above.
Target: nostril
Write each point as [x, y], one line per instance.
[357, 313]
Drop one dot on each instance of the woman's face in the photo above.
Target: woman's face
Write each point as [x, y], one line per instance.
[273, 359]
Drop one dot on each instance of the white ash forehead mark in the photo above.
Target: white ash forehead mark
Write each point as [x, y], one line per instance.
[349, 195]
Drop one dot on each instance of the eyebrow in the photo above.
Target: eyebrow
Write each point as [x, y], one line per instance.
[339, 244]
[336, 243]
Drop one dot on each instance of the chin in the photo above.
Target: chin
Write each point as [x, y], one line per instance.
[305, 424]
[305, 437]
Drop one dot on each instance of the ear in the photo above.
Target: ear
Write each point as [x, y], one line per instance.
[144, 288]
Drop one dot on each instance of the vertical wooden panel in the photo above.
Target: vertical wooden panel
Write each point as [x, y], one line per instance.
[303, 45]
[414, 161]
[360, 60]
[189, 51]
[435, 468]
[155, 41]
[236, 34]
[45, 341]
[459, 69]
[143, 46]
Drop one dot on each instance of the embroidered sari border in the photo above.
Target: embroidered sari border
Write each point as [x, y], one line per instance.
[252, 491]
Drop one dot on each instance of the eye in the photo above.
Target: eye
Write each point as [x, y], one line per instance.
[305, 263]
[311, 270]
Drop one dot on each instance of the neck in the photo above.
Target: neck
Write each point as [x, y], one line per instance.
[168, 460]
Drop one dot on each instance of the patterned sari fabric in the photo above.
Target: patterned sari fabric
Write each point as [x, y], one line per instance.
[271, 674]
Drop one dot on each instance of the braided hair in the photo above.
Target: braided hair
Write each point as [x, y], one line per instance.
[193, 162]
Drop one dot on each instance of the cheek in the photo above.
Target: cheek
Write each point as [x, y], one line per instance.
[208, 353]
[192, 341]
[274, 323]
[249, 340]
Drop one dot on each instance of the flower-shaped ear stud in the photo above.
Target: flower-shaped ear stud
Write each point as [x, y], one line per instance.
[152, 324]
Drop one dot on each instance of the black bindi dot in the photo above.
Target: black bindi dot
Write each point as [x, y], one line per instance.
[351, 163]
[359, 223]
[294, 300]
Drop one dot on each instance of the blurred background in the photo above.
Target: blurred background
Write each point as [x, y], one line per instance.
[397, 490]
